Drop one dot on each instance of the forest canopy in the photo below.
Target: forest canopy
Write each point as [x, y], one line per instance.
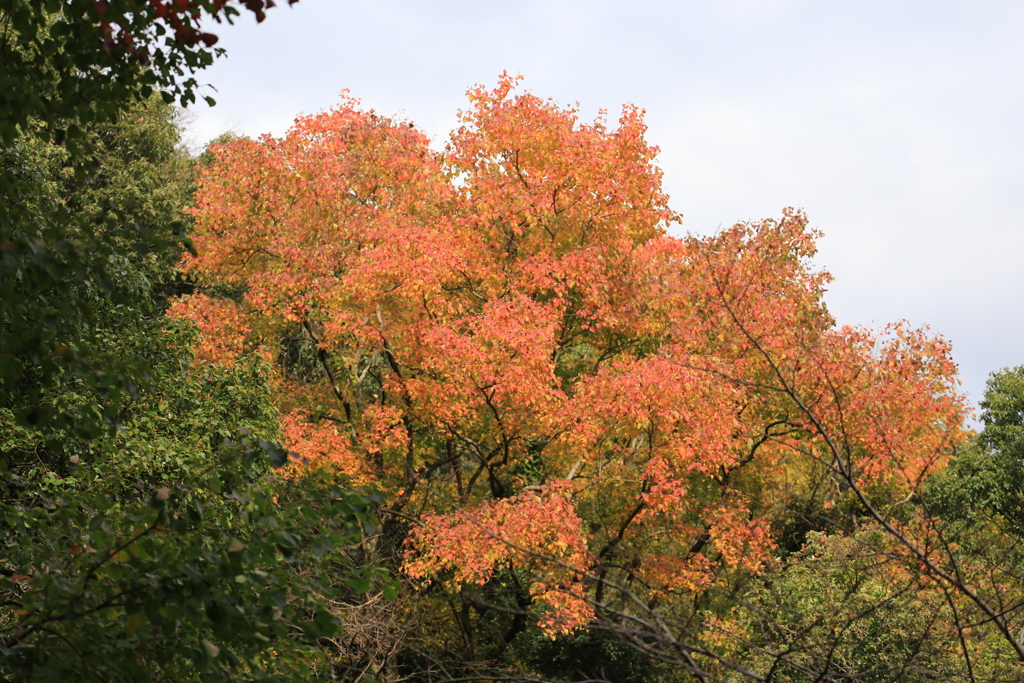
[583, 424]
[341, 405]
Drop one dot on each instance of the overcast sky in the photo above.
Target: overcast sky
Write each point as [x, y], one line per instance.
[897, 125]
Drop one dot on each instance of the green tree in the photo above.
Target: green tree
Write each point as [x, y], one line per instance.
[167, 552]
[91, 234]
[850, 607]
[69, 70]
[1003, 436]
[69, 62]
[146, 533]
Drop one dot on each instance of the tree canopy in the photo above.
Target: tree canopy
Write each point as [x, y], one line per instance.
[341, 405]
[581, 421]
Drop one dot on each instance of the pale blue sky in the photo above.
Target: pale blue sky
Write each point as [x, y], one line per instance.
[897, 125]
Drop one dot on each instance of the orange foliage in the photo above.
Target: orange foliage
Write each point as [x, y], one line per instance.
[511, 312]
[536, 532]
[222, 325]
[319, 445]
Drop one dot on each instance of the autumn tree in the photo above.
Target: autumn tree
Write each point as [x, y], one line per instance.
[581, 421]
